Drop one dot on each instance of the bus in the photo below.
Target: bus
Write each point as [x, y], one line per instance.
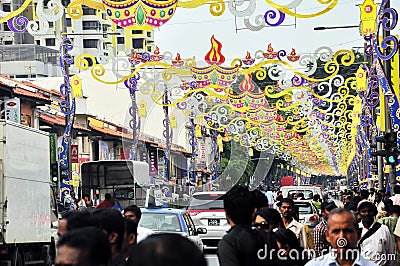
[125, 180]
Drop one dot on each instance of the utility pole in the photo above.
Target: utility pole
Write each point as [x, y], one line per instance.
[388, 125]
[167, 133]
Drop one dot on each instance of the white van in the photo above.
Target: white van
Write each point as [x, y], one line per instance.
[308, 191]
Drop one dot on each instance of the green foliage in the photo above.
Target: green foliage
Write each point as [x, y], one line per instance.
[236, 166]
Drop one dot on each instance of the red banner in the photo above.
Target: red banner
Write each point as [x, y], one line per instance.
[74, 154]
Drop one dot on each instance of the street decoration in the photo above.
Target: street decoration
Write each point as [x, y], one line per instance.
[374, 87]
[150, 14]
[67, 106]
[303, 119]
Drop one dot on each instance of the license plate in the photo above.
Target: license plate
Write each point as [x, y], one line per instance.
[213, 222]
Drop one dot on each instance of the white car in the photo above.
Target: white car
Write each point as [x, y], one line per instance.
[168, 220]
[207, 210]
[308, 214]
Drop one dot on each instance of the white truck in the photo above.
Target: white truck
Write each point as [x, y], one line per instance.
[25, 196]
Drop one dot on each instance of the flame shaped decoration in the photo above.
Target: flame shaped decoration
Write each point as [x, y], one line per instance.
[247, 84]
[293, 57]
[248, 60]
[270, 54]
[248, 55]
[270, 49]
[157, 51]
[214, 56]
[177, 61]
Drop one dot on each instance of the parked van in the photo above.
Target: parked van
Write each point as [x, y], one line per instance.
[308, 191]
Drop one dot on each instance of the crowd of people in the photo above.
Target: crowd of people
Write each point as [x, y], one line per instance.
[362, 229]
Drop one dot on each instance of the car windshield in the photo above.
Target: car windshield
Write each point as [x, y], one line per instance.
[165, 222]
[304, 208]
[206, 202]
[308, 194]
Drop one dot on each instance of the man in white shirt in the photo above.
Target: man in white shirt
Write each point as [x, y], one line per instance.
[133, 212]
[376, 241]
[342, 234]
[396, 197]
[286, 207]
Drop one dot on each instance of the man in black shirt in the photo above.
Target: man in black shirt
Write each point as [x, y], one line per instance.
[242, 245]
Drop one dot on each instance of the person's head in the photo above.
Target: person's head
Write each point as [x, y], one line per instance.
[364, 194]
[130, 236]
[367, 212]
[80, 219]
[112, 223]
[342, 231]
[279, 193]
[326, 208]
[301, 195]
[394, 210]
[316, 197]
[268, 219]
[107, 196]
[63, 223]
[396, 189]
[286, 207]
[286, 240]
[372, 191]
[294, 196]
[133, 212]
[239, 205]
[260, 199]
[382, 192]
[347, 198]
[167, 250]
[343, 196]
[86, 246]
[378, 197]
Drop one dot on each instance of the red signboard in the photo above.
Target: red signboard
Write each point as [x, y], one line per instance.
[74, 154]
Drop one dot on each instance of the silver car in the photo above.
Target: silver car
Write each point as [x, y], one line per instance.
[308, 214]
[207, 210]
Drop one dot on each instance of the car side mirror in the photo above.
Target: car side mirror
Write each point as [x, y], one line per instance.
[201, 231]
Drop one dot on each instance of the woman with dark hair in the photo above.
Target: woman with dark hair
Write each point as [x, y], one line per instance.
[267, 219]
[290, 252]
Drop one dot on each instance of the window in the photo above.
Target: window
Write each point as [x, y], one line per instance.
[51, 23]
[6, 7]
[137, 43]
[90, 25]
[149, 34]
[5, 27]
[69, 22]
[51, 42]
[8, 43]
[165, 222]
[37, 42]
[120, 40]
[89, 43]
[89, 11]
[148, 48]
[304, 207]
[137, 32]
